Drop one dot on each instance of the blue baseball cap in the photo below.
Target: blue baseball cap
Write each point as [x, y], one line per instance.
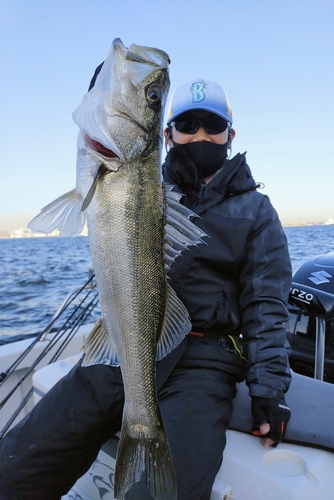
[199, 94]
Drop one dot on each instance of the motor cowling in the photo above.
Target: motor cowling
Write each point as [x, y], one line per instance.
[310, 329]
[313, 286]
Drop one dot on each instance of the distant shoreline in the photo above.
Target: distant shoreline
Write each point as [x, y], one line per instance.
[43, 236]
[20, 233]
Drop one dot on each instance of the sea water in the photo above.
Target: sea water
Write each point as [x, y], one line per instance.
[36, 274]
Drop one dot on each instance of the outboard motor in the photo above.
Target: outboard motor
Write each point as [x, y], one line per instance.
[311, 325]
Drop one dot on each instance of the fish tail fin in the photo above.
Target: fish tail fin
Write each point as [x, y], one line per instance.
[151, 456]
[63, 214]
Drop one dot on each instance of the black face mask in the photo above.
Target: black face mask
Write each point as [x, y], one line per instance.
[207, 156]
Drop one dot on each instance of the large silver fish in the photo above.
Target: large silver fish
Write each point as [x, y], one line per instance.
[136, 228]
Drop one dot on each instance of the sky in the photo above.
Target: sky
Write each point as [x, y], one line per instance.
[275, 59]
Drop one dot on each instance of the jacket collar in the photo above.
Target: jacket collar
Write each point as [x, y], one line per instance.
[234, 178]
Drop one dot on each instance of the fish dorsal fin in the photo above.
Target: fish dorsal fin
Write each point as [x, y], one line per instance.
[176, 325]
[180, 231]
[99, 349]
[63, 214]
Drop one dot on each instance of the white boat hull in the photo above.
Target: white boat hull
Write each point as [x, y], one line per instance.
[249, 471]
[9, 353]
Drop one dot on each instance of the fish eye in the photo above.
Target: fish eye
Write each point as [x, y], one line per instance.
[153, 96]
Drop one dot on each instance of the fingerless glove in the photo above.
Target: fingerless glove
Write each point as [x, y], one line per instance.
[275, 412]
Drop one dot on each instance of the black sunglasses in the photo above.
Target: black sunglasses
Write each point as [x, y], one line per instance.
[212, 124]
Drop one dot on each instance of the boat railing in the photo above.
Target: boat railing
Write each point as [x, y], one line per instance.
[71, 315]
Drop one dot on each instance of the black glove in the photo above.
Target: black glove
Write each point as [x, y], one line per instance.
[275, 412]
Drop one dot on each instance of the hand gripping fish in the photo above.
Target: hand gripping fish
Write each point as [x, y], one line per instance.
[136, 228]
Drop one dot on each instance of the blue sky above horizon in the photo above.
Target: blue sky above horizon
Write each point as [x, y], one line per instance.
[274, 59]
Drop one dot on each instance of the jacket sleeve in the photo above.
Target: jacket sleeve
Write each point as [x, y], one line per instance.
[265, 281]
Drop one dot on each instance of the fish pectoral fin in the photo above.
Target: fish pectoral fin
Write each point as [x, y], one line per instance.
[99, 349]
[63, 214]
[175, 327]
[102, 171]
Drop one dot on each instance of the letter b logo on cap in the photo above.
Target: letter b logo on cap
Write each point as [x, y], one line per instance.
[197, 90]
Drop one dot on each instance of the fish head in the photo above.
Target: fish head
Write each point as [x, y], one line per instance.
[121, 116]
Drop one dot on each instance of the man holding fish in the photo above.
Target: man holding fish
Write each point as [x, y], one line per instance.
[218, 320]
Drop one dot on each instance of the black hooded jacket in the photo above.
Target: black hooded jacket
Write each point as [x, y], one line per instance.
[239, 282]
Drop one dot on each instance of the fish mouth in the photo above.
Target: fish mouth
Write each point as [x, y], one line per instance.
[99, 148]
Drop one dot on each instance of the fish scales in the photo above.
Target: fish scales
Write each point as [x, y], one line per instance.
[136, 292]
[136, 296]
[136, 229]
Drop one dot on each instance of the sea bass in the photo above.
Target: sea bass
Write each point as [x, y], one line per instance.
[136, 228]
